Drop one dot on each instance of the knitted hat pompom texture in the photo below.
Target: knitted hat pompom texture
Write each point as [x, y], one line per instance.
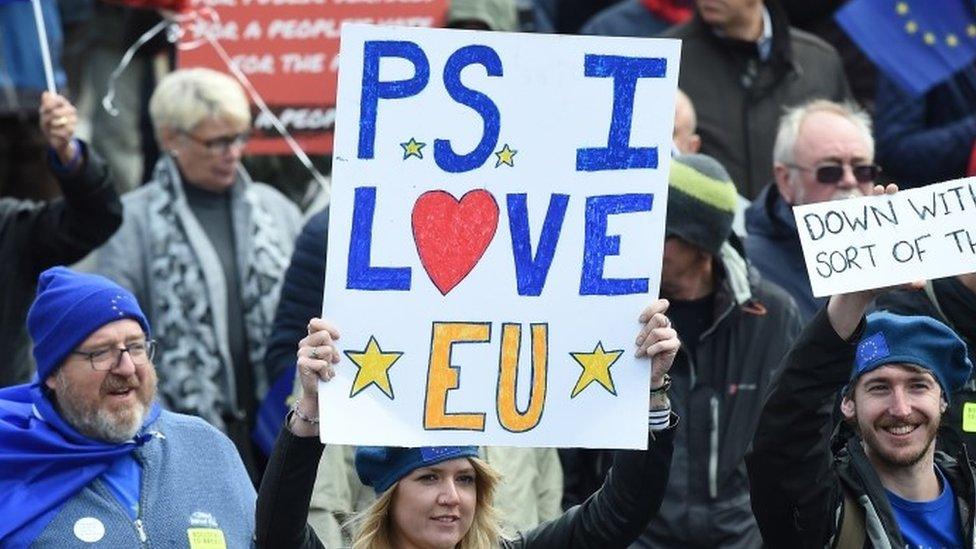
[920, 340]
[382, 466]
[701, 201]
[68, 308]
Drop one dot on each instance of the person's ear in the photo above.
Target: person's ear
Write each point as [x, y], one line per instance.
[50, 382]
[847, 407]
[169, 139]
[781, 174]
[694, 143]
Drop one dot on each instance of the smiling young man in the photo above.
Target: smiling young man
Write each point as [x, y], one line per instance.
[878, 480]
[87, 455]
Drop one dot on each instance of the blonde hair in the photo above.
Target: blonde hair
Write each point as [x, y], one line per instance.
[375, 523]
[184, 98]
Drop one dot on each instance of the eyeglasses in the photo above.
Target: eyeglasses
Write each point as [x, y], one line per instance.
[223, 143]
[105, 360]
[830, 174]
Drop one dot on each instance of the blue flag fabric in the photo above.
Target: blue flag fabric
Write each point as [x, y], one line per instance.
[272, 412]
[43, 460]
[916, 43]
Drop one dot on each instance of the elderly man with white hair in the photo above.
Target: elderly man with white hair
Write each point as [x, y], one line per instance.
[204, 248]
[823, 151]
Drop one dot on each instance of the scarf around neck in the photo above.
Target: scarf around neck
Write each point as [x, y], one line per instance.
[195, 376]
[44, 461]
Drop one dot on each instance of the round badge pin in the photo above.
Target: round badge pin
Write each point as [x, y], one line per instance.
[89, 529]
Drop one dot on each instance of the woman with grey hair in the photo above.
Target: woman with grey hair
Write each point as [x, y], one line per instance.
[204, 249]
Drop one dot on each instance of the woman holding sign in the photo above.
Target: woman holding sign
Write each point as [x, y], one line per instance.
[441, 497]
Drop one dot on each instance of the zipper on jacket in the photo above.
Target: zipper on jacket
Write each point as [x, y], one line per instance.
[142, 532]
[713, 452]
[143, 488]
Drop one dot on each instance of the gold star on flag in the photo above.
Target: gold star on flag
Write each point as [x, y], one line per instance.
[412, 148]
[596, 367]
[374, 368]
[901, 8]
[929, 38]
[952, 41]
[971, 31]
[505, 156]
[911, 27]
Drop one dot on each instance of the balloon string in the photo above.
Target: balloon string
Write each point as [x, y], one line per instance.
[173, 34]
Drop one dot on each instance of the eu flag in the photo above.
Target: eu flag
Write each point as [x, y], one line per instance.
[916, 43]
[272, 411]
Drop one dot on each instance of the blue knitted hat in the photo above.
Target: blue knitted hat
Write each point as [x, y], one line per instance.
[69, 306]
[919, 340]
[381, 466]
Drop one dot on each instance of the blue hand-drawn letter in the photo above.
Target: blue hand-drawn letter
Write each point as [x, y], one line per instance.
[531, 272]
[444, 154]
[597, 245]
[618, 154]
[360, 275]
[373, 89]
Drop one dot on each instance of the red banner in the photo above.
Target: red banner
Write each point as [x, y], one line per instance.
[288, 50]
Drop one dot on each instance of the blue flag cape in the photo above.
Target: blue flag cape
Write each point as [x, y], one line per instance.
[43, 460]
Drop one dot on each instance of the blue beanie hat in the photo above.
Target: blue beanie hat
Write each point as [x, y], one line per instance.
[69, 306]
[381, 466]
[919, 340]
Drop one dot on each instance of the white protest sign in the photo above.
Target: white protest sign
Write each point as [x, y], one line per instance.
[496, 227]
[879, 241]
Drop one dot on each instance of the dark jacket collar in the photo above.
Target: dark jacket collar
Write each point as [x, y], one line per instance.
[781, 56]
[770, 216]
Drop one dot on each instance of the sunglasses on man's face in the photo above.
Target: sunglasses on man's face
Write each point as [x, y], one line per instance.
[831, 174]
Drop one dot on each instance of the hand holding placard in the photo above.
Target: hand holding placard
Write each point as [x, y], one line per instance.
[886, 240]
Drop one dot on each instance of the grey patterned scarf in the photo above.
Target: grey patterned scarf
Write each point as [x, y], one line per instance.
[195, 376]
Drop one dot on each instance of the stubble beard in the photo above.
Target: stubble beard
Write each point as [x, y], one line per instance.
[893, 460]
[100, 421]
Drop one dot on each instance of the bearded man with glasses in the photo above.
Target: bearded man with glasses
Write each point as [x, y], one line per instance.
[823, 151]
[87, 454]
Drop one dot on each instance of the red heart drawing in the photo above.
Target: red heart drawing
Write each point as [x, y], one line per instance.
[452, 235]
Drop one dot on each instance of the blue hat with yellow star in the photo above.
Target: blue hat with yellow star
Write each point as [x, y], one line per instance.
[918, 340]
[70, 306]
[382, 466]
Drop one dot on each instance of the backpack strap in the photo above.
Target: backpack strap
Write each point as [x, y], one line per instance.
[851, 534]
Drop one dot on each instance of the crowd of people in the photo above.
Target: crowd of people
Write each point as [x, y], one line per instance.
[144, 316]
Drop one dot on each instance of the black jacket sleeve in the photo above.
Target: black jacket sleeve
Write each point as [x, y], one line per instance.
[795, 491]
[286, 490]
[616, 514]
[301, 295]
[65, 230]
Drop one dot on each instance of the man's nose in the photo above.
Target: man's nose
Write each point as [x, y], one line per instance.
[847, 179]
[899, 406]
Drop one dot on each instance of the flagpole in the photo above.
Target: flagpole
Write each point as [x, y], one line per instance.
[45, 51]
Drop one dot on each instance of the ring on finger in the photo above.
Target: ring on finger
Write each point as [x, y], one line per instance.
[314, 353]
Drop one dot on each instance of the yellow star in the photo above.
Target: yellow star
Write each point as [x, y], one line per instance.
[971, 31]
[596, 367]
[929, 38]
[374, 368]
[505, 156]
[412, 148]
[911, 27]
[952, 41]
[901, 8]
